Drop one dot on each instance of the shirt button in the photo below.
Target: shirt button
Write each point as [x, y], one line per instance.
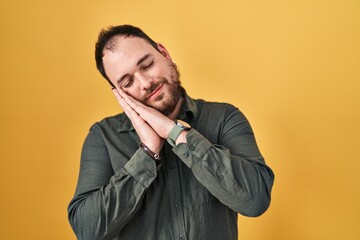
[186, 155]
[180, 237]
[191, 148]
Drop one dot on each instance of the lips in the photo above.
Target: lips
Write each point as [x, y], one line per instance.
[154, 93]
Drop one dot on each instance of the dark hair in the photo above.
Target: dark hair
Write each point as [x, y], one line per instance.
[107, 39]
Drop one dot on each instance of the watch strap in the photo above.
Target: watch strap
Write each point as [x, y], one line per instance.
[174, 134]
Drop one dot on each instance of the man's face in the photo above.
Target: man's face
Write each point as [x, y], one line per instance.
[143, 72]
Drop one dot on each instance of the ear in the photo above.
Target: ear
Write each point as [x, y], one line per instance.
[163, 51]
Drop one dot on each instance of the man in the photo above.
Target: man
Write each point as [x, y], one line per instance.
[169, 167]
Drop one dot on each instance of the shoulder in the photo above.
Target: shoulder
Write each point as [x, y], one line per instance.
[222, 108]
[203, 102]
[119, 122]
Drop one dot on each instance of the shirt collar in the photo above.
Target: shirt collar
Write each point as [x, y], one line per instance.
[188, 112]
[123, 123]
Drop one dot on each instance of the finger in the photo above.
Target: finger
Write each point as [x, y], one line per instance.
[135, 108]
[129, 111]
[130, 100]
[134, 117]
[122, 93]
[124, 105]
[119, 99]
[116, 93]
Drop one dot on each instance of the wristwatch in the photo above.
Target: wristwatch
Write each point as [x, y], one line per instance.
[179, 126]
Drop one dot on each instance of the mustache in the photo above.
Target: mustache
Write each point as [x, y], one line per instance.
[174, 75]
[154, 86]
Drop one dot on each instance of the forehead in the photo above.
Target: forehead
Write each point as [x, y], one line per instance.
[127, 47]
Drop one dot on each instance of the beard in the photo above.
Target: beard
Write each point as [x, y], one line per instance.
[175, 91]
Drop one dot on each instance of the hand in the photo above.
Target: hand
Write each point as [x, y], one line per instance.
[146, 133]
[160, 123]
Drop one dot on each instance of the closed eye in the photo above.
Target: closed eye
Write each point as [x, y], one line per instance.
[147, 66]
[127, 83]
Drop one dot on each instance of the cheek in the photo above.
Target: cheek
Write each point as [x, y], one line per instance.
[161, 70]
[133, 92]
[156, 73]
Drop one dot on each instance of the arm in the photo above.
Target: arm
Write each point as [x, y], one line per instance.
[105, 201]
[232, 170]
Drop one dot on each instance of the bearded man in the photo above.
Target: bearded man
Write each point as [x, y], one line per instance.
[169, 167]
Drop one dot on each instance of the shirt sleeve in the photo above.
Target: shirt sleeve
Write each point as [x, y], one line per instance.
[105, 201]
[233, 169]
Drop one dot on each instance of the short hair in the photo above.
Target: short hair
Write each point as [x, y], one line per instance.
[107, 39]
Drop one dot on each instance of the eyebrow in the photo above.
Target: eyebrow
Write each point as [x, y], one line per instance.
[143, 59]
[146, 56]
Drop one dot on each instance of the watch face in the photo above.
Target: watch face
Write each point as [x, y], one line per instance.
[183, 124]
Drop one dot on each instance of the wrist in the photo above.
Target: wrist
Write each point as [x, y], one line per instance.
[182, 137]
[169, 126]
[179, 129]
[149, 152]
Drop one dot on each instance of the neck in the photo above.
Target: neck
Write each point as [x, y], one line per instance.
[177, 109]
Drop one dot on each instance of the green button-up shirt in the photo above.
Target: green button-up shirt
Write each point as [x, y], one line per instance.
[194, 193]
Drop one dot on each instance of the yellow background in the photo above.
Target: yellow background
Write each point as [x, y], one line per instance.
[293, 67]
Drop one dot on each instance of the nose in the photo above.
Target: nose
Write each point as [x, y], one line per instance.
[144, 81]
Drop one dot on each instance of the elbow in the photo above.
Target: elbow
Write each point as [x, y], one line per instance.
[258, 201]
[72, 217]
[260, 196]
[255, 207]
[79, 218]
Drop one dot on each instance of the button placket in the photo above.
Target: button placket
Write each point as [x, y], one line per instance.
[174, 190]
[176, 203]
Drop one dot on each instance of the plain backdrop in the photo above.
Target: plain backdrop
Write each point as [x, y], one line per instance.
[292, 67]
